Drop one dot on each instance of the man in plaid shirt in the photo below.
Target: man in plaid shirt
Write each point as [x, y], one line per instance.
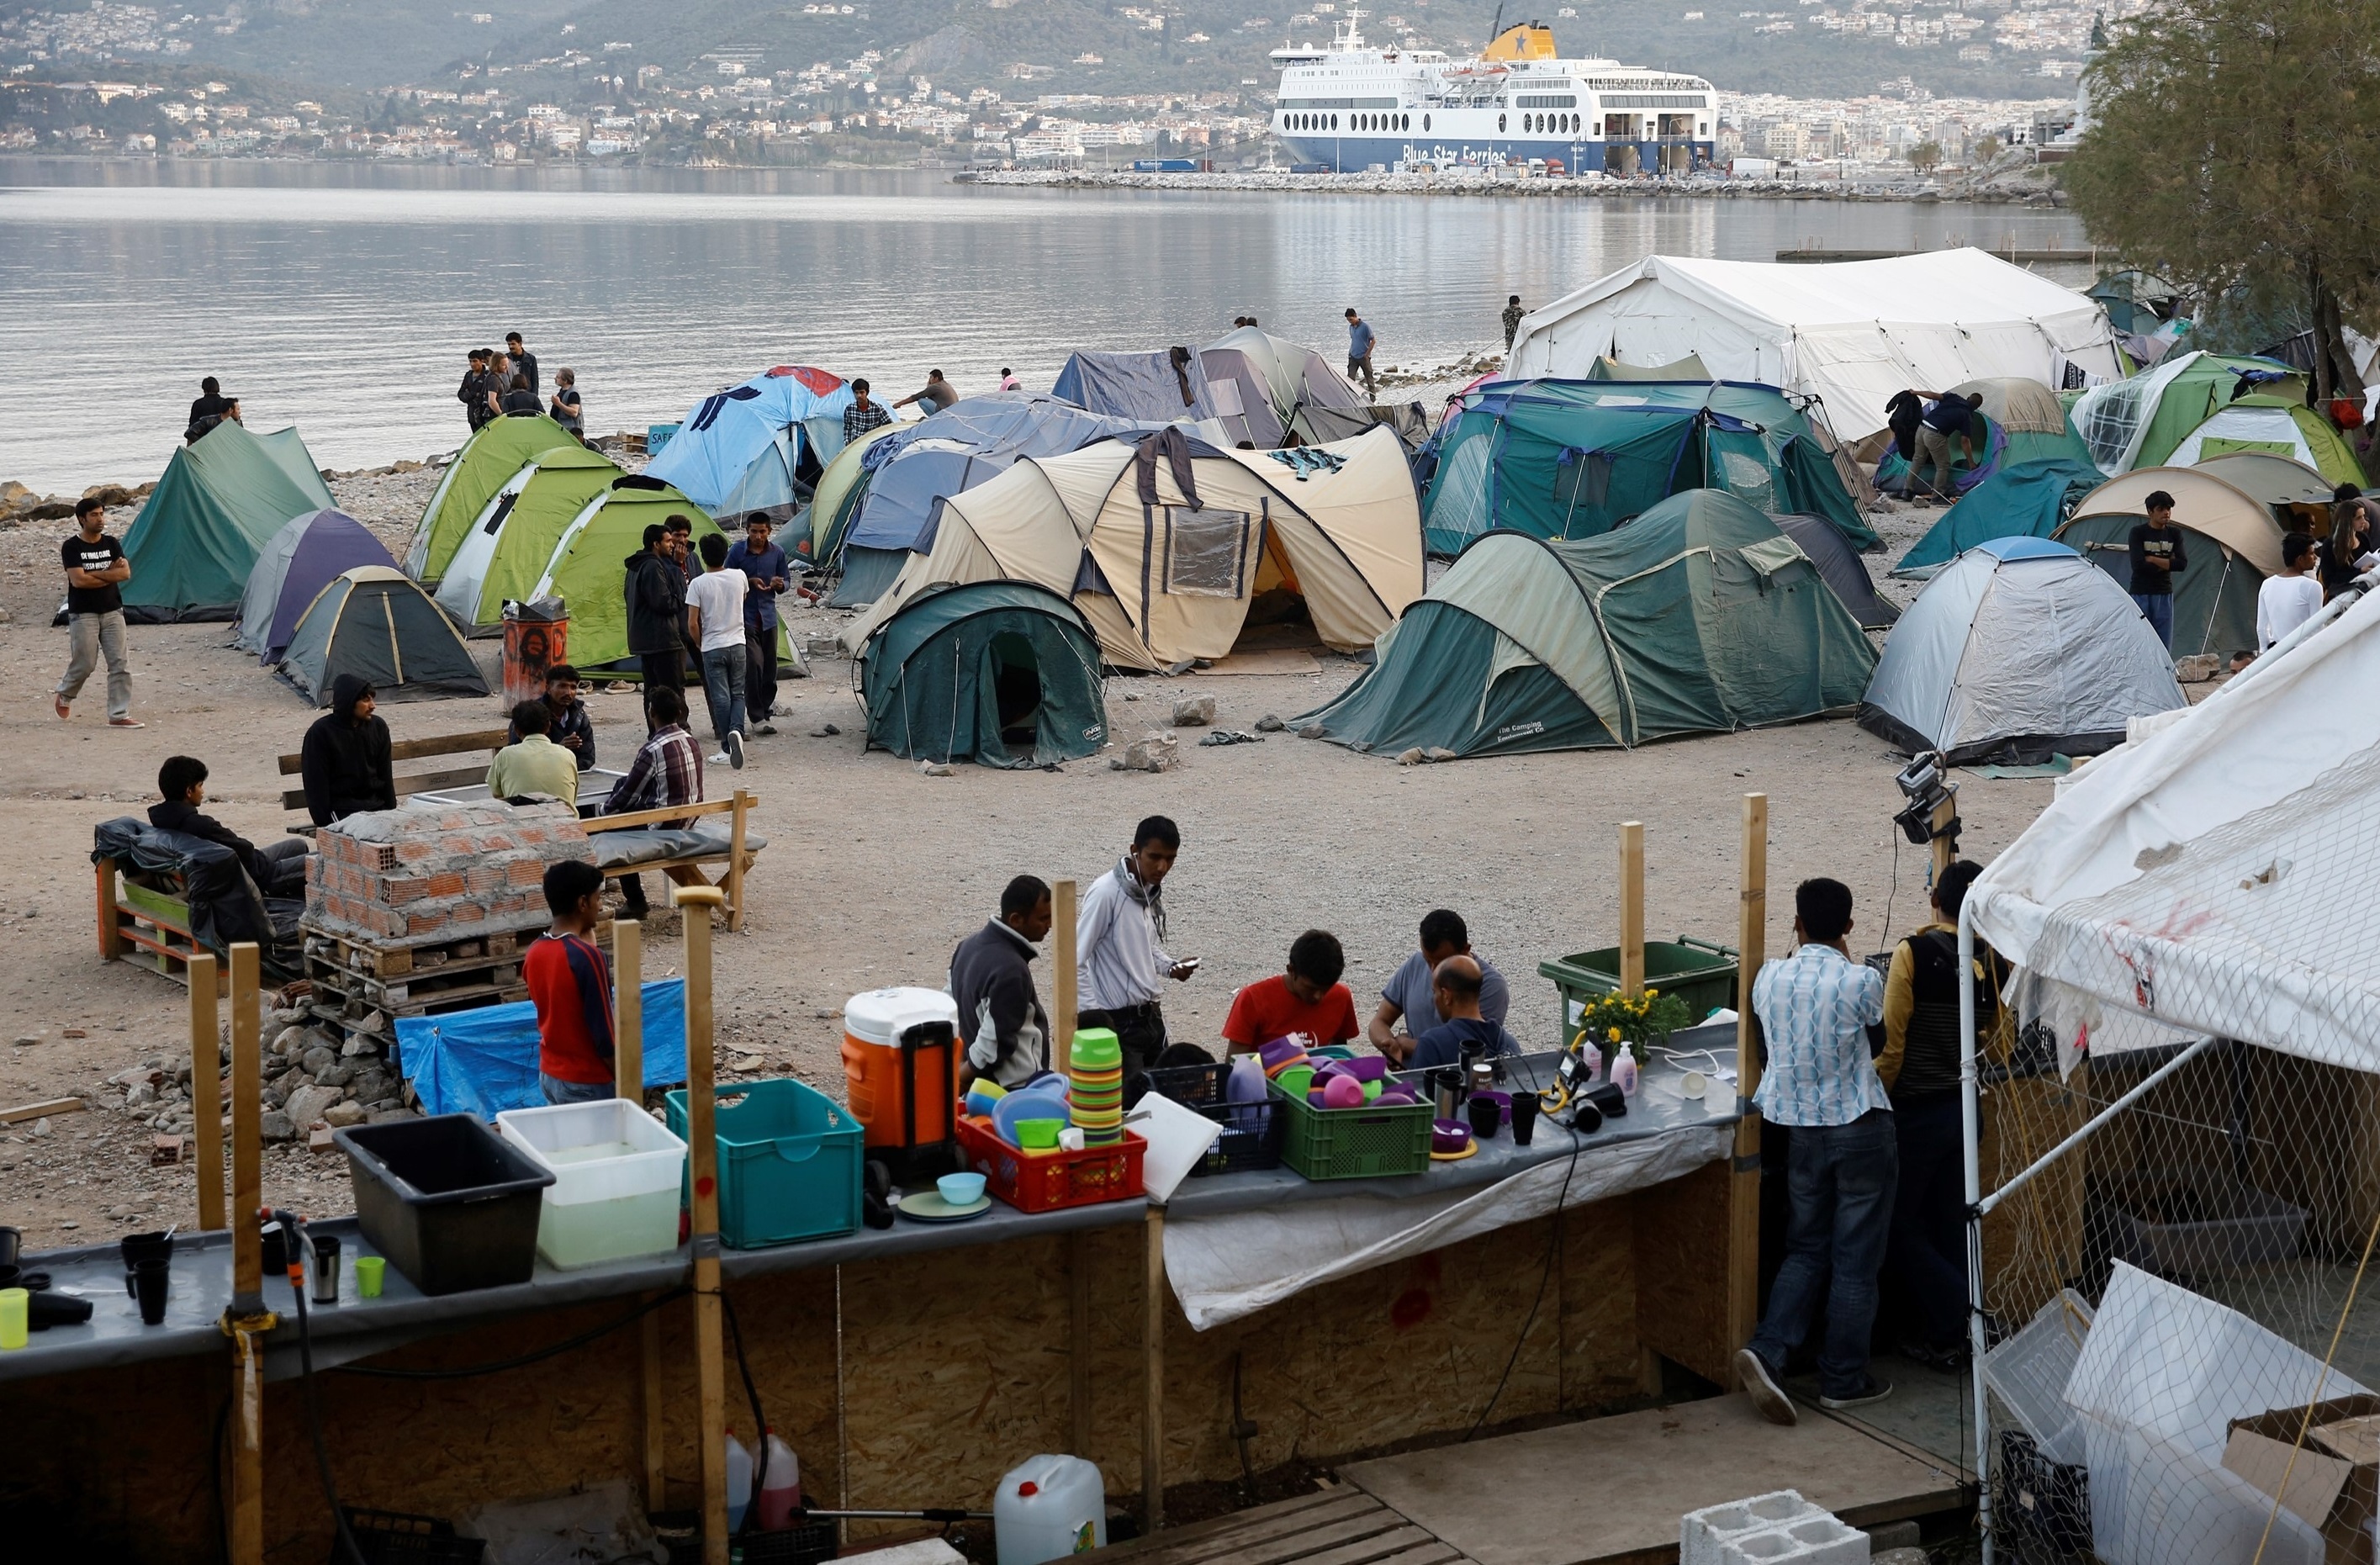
[667, 770]
[862, 415]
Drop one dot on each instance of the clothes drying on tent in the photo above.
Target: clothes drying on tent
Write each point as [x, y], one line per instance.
[2022, 500]
[971, 441]
[2017, 650]
[1180, 574]
[511, 540]
[377, 625]
[1004, 673]
[1265, 388]
[1575, 459]
[1699, 616]
[1841, 568]
[589, 567]
[221, 500]
[496, 450]
[759, 446]
[2017, 420]
[1155, 388]
[2233, 544]
[296, 563]
[1690, 367]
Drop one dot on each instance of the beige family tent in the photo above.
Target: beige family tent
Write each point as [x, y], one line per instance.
[1176, 575]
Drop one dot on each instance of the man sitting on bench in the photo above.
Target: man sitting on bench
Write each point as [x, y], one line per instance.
[348, 768]
[278, 869]
[667, 770]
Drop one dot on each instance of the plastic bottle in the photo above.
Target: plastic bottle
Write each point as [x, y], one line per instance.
[1623, 1071]
[781, 1485]
[739, 1481]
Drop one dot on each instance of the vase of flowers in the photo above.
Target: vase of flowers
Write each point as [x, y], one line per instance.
[1643, 1020]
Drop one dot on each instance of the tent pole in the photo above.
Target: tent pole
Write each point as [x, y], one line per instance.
[694, 906]
[628, 1080]
[1743, 1181]
[1632, 908]
[1970, 1130]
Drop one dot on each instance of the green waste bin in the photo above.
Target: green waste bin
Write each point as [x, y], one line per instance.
[1697, 972]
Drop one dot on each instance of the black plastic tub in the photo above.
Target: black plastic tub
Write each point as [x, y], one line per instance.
[446, 1200]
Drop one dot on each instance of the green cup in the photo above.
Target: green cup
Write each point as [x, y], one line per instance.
[369, 1271]
[1037, 1135]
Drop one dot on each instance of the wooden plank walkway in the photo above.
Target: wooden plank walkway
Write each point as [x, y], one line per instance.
[1341, 1526]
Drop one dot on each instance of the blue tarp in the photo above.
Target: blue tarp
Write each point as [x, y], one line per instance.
[483, 1062]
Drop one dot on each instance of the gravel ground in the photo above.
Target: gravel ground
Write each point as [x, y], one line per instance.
[873, 870]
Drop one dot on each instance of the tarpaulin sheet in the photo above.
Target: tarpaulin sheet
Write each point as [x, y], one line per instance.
[1235, 1264]
[484, 1060]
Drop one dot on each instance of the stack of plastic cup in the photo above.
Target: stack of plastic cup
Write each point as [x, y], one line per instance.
[1095, 1087]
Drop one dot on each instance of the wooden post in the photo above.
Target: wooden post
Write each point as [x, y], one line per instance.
[694, 904]
[1946, 847]
[1631, 907]
[1743, 1187]
[1061, 1020]
[1152, 1416]
[206, 1090]
[738, 819]
[247, 1262]
[111, 933]
[1078, 1339]
[628, 1081]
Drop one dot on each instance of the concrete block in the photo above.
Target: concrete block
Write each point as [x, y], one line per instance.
[1702, 1534]
[1819, 1538]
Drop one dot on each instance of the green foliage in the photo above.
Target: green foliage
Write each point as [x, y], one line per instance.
[1923, 156]
[1611, 1019]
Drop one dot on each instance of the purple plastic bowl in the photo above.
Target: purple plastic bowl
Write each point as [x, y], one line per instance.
[1449, 1135]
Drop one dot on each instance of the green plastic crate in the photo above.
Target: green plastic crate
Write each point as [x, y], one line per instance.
[789, 1163]
[1697, 972]
[1369, 1143]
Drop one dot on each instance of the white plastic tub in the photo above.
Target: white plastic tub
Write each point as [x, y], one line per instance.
[617, 1173]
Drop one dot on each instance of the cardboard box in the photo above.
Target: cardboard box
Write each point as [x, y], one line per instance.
[2337, 1496]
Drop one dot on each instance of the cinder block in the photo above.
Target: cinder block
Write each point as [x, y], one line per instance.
[1702, 1534]
[1816, 1539]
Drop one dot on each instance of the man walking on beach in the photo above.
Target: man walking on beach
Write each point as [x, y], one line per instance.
[1512, 313]
[1359, 350]
[2158, 557]
[96, 571]
[714, 623]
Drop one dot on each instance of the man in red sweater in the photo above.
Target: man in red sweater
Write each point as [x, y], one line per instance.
[571, 984]
[1307, 999]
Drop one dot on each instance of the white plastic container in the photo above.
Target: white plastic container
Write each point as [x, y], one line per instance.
[1049, 1508]
[739, 1480]
[617, 1173]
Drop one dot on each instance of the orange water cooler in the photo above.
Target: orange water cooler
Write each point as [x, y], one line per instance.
[901, 1065]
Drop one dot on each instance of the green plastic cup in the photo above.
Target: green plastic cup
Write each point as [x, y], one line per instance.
[1036, 1136]
[369, 1271]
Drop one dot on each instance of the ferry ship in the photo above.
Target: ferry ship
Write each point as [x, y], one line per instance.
[1357, 106]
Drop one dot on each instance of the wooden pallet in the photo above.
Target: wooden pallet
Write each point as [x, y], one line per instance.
[147, 928]
[1340, 1526]
[362, 989]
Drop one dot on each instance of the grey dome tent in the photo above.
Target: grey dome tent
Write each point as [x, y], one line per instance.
[1004, 672]
[1840, 563]
[1157, 387]
[376, 624]
[298, 563]
[2019, 648]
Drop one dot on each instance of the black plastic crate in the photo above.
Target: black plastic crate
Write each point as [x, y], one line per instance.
[447, 1201]
[1253, 1133]
[393, 1537]
[2044, 1506]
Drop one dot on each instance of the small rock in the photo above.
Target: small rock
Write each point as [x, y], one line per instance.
[42, 1126]
[935, 768]
[825, 646]
[829, 732]
[1194, 711]
[357, 1046]
[1268, 723]
[1439, 752]
[339, 1074]
[140, 1095]
[386, 1116]
[308, 1103]
[1414, 756]
[2194, 670]
[1312, 731]
[274, 1126]
[290, 1042]
[1154, 752]
[317, 1060]
[340, 1115]
[27, 1040]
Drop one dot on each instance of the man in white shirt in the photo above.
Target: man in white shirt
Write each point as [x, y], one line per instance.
[714, 621]
[2289, 599]
[1119, 946]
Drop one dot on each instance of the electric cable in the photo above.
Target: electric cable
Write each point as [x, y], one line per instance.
[1553, 1253]
[294, 1244]
[759, 1423]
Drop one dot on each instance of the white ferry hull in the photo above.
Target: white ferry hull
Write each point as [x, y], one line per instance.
[1354, 154]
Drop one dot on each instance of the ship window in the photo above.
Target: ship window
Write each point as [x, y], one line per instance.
[1425, 122]
[1406, 120]
[1499, 125]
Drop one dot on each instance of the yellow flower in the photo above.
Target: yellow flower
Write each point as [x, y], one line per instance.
[1615, 1035]
[1652, 994]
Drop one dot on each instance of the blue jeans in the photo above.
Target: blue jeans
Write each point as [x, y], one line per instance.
[723, 686]
[1840, 1180]
[559, 1091]
[1928, 1255]
[2158, 609]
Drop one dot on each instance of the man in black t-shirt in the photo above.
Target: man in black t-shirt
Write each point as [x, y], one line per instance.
[524, 361]
[96, 571]
[2157, 557]
[210, 403]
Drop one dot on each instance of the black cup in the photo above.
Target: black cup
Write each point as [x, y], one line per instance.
[11, 1241]
[139, 1247]
[1524, 1118]
[1486, 1114]
[147, 1285]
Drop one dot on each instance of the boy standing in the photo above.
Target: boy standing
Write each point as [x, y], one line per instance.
[570, 983]
[2157, 556]
[766, 572]
[2289, 599]
[96, 571]
[714, 621]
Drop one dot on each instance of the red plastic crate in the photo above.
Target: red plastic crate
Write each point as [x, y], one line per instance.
[1055, 1180]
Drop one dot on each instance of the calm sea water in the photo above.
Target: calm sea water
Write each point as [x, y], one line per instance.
[344, 299]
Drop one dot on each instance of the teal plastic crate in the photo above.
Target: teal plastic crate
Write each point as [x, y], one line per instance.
[789, 1163]
[1366, 1143]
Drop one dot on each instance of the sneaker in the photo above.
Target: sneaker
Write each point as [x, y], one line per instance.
[1762, 1387]
[734, 745]
[125, 723]
[719, 757]
[1873, 1389]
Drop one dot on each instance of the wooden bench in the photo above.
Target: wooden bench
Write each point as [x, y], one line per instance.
[488, 740]
[688, 871]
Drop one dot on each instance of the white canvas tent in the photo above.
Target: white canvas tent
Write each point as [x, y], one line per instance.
[1170, 581]
[1851, 334]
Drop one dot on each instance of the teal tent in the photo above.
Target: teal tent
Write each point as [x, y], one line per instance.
[1699, 616]
[1004, 672]
[2023, 500]
[223, 498]
[1569, 459]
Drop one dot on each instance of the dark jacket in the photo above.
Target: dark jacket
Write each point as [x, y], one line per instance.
[346, 765]
[180, 815]
[656, 605]
[1006, 1031]
[525, 364]
[571, 720]
[473, 394]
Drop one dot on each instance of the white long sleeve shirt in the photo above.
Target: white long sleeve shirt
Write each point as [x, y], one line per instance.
[1115, 945]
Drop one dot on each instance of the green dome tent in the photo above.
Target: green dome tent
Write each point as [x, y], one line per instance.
[374, 623]
[498, 450]
[1574, 458]
[1004, 672]
[588, 570]
[2195, 406]
[2022, 499]
[508, 545]
[1699, 616]
[221, 501]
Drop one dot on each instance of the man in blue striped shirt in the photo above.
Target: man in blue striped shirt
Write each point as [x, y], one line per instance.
[1815, 1009]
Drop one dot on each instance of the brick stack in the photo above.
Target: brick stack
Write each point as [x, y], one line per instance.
[433, 872]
